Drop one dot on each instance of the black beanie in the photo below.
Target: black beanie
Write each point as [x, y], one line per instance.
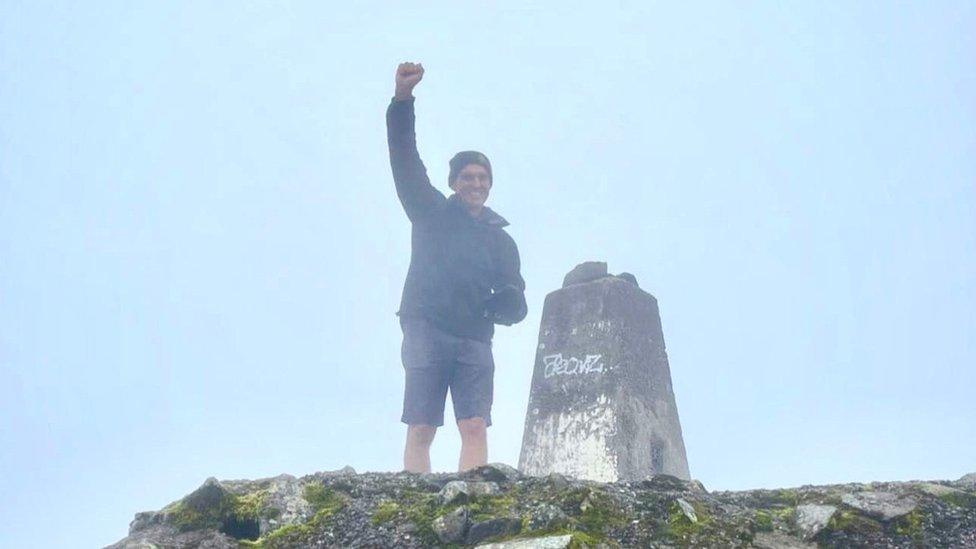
[464, 158]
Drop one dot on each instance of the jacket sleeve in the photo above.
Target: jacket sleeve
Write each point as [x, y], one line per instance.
[507, 303]
[418, 196]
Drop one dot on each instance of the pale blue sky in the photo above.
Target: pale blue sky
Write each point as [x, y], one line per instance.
[201, 250]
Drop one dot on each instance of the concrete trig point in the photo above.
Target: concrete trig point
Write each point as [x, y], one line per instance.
[601, 405]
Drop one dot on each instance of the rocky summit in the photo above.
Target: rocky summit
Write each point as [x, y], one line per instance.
[497, 507]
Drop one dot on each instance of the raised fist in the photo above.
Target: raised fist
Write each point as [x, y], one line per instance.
[407, 76]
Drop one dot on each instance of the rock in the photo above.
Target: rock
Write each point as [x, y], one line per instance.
[165, 536]
[546, 516]
[483, 530]
[284, 496]
[208, 496]
[629, 278]
[498, 472]
[687, 510]
[140, 545]
[881, 505]
[432, 482]
[557, 481]
[455, 491]
[452, 527]
[811, 519]
[145, 520]
[587, 502]
[671, 484]
[937, 490]
[460, 491]
[622, 514]
[777, 540]
[585, 272]
[967, 481]
[550, 542]
[344, 472]
[483, 489]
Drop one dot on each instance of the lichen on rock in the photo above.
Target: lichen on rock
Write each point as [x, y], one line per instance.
[509, 511]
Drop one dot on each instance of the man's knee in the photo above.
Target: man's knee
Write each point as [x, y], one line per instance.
[421, 435]
[473, 427]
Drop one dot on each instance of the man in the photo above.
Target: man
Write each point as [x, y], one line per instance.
[463, 279]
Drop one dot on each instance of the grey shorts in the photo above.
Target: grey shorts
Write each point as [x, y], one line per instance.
[434, 361]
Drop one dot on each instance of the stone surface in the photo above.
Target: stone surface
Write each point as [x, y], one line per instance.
[811, 518]
[882, 505]
[687, 510]
[404, 510]
[460, 491]
[967, 481]
[557, 480]
[629, 278]
[937, 490]
[548, 542]
[585, 272]
[672, 483]
[497, 472]
[160, 538]
[504, 526]
[207, 496]
[546, 516]
[601, 405]
[777, 540]
[145, 520]
[452, 527]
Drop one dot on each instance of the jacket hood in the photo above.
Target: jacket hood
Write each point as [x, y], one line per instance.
[488, 216]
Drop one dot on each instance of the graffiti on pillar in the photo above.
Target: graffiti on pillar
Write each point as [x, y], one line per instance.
[556, 365]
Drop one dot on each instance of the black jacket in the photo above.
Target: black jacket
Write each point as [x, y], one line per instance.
[464, 271]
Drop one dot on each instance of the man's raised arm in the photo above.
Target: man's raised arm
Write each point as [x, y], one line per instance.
[413, 187]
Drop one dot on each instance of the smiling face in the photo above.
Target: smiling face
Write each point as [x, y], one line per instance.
[472, 184]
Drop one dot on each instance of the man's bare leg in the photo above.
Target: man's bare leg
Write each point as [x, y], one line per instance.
[474, 443]
[416, 454]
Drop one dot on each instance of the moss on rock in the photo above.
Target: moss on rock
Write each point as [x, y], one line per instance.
[680, 528]
[910, 525]
[385, 511]
[324, 502]
[853, 523]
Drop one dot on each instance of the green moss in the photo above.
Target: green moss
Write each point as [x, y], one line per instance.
[849, 521]
[764, 521]
[785, 496]
[489, 507]
[421, 509]
[186, 519]
[785, 514]
[589, 528]
[324, 503]
[579, 540]
[960, 499]
[679, 527]
[285, 536]
[236, 515]
[322, 498]
[910, 525]
[601, 514]
[385, 512]
[248, 506]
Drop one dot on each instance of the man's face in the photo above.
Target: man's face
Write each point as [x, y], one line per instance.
[472, 185]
